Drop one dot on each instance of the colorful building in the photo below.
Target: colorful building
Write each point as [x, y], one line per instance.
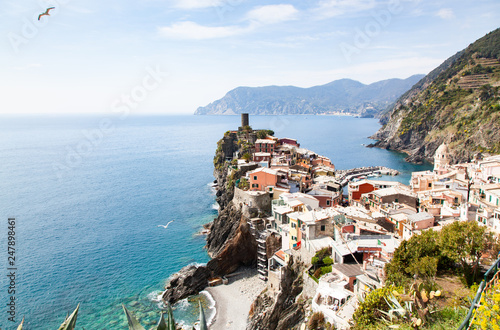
[262, 145]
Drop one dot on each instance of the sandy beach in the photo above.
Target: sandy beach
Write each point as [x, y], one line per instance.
[233, 301]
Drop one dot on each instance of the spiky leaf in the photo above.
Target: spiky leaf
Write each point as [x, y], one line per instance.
[203, 321]
[133, 324]
[20, 327]
[70, 322]
[170, 318]
[161, 323]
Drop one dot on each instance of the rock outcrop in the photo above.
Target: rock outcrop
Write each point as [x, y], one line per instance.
[188, 281]
[286, 309]
[230, 242]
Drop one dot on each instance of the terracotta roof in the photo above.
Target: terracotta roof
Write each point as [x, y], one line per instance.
[280, 254]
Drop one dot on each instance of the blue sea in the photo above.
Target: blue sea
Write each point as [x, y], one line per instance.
[89, 192]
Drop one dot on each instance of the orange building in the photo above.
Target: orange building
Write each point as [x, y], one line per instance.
[320, 160]
[262, 178]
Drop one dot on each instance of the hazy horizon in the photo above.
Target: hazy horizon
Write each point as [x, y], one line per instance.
[171, 57]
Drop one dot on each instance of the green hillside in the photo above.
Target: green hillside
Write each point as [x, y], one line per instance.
[458, 103]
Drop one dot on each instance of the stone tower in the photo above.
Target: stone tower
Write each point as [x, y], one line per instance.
[441, 158]
[244, 120]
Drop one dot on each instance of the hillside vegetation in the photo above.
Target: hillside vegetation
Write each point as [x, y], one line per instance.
[458, 103]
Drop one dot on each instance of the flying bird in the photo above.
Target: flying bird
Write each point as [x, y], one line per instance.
[46, 13]
[166, 224]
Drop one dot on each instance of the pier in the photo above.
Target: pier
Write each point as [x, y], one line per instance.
[344, 176]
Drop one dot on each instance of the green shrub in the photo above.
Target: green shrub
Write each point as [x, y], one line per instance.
[327, 260]
[368, 311]
[326, 270]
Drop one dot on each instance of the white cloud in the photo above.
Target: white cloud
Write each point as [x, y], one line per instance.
[445, 13]
[273, 14]
[332, 8]
[27, 66]
[257, 17]
[196, 4]
[193, 31]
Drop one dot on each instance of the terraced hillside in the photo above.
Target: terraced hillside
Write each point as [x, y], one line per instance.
[458, 103]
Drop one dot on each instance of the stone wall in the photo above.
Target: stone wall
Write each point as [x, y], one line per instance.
[252, 201]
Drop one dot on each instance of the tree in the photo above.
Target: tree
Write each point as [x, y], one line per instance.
[261, 134]
[419, 255]
[464, 242]
[247, 157]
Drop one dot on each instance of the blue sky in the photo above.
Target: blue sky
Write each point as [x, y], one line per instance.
[171, 56]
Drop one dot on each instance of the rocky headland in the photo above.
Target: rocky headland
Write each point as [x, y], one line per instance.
[230, 242]
[458, 104]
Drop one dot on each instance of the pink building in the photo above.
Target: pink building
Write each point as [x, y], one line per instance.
[292, 142]
[262, 145]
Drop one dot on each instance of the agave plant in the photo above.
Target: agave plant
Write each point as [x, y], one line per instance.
[168, 324]
[396, 310]
[20, 327]
[203, 321]
[68, 324]
[70, 321]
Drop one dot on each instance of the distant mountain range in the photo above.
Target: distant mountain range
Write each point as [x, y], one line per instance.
[344, 96]
[458, 103]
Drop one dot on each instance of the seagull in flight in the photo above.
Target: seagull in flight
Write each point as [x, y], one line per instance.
[166, 224]
[46, 13]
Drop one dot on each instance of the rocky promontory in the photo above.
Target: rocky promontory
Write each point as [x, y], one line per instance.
[230, 242]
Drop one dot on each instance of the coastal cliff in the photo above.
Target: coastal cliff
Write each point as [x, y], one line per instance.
[286, 309]
[230, 242]
[457, 104]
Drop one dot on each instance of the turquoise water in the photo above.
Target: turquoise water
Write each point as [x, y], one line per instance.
[88, 204]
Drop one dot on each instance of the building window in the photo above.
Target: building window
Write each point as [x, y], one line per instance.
[323, 228]
[255, 177]
[328, 203]
[430, 185]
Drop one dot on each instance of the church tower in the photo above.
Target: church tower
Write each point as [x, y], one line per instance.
[441, 158]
